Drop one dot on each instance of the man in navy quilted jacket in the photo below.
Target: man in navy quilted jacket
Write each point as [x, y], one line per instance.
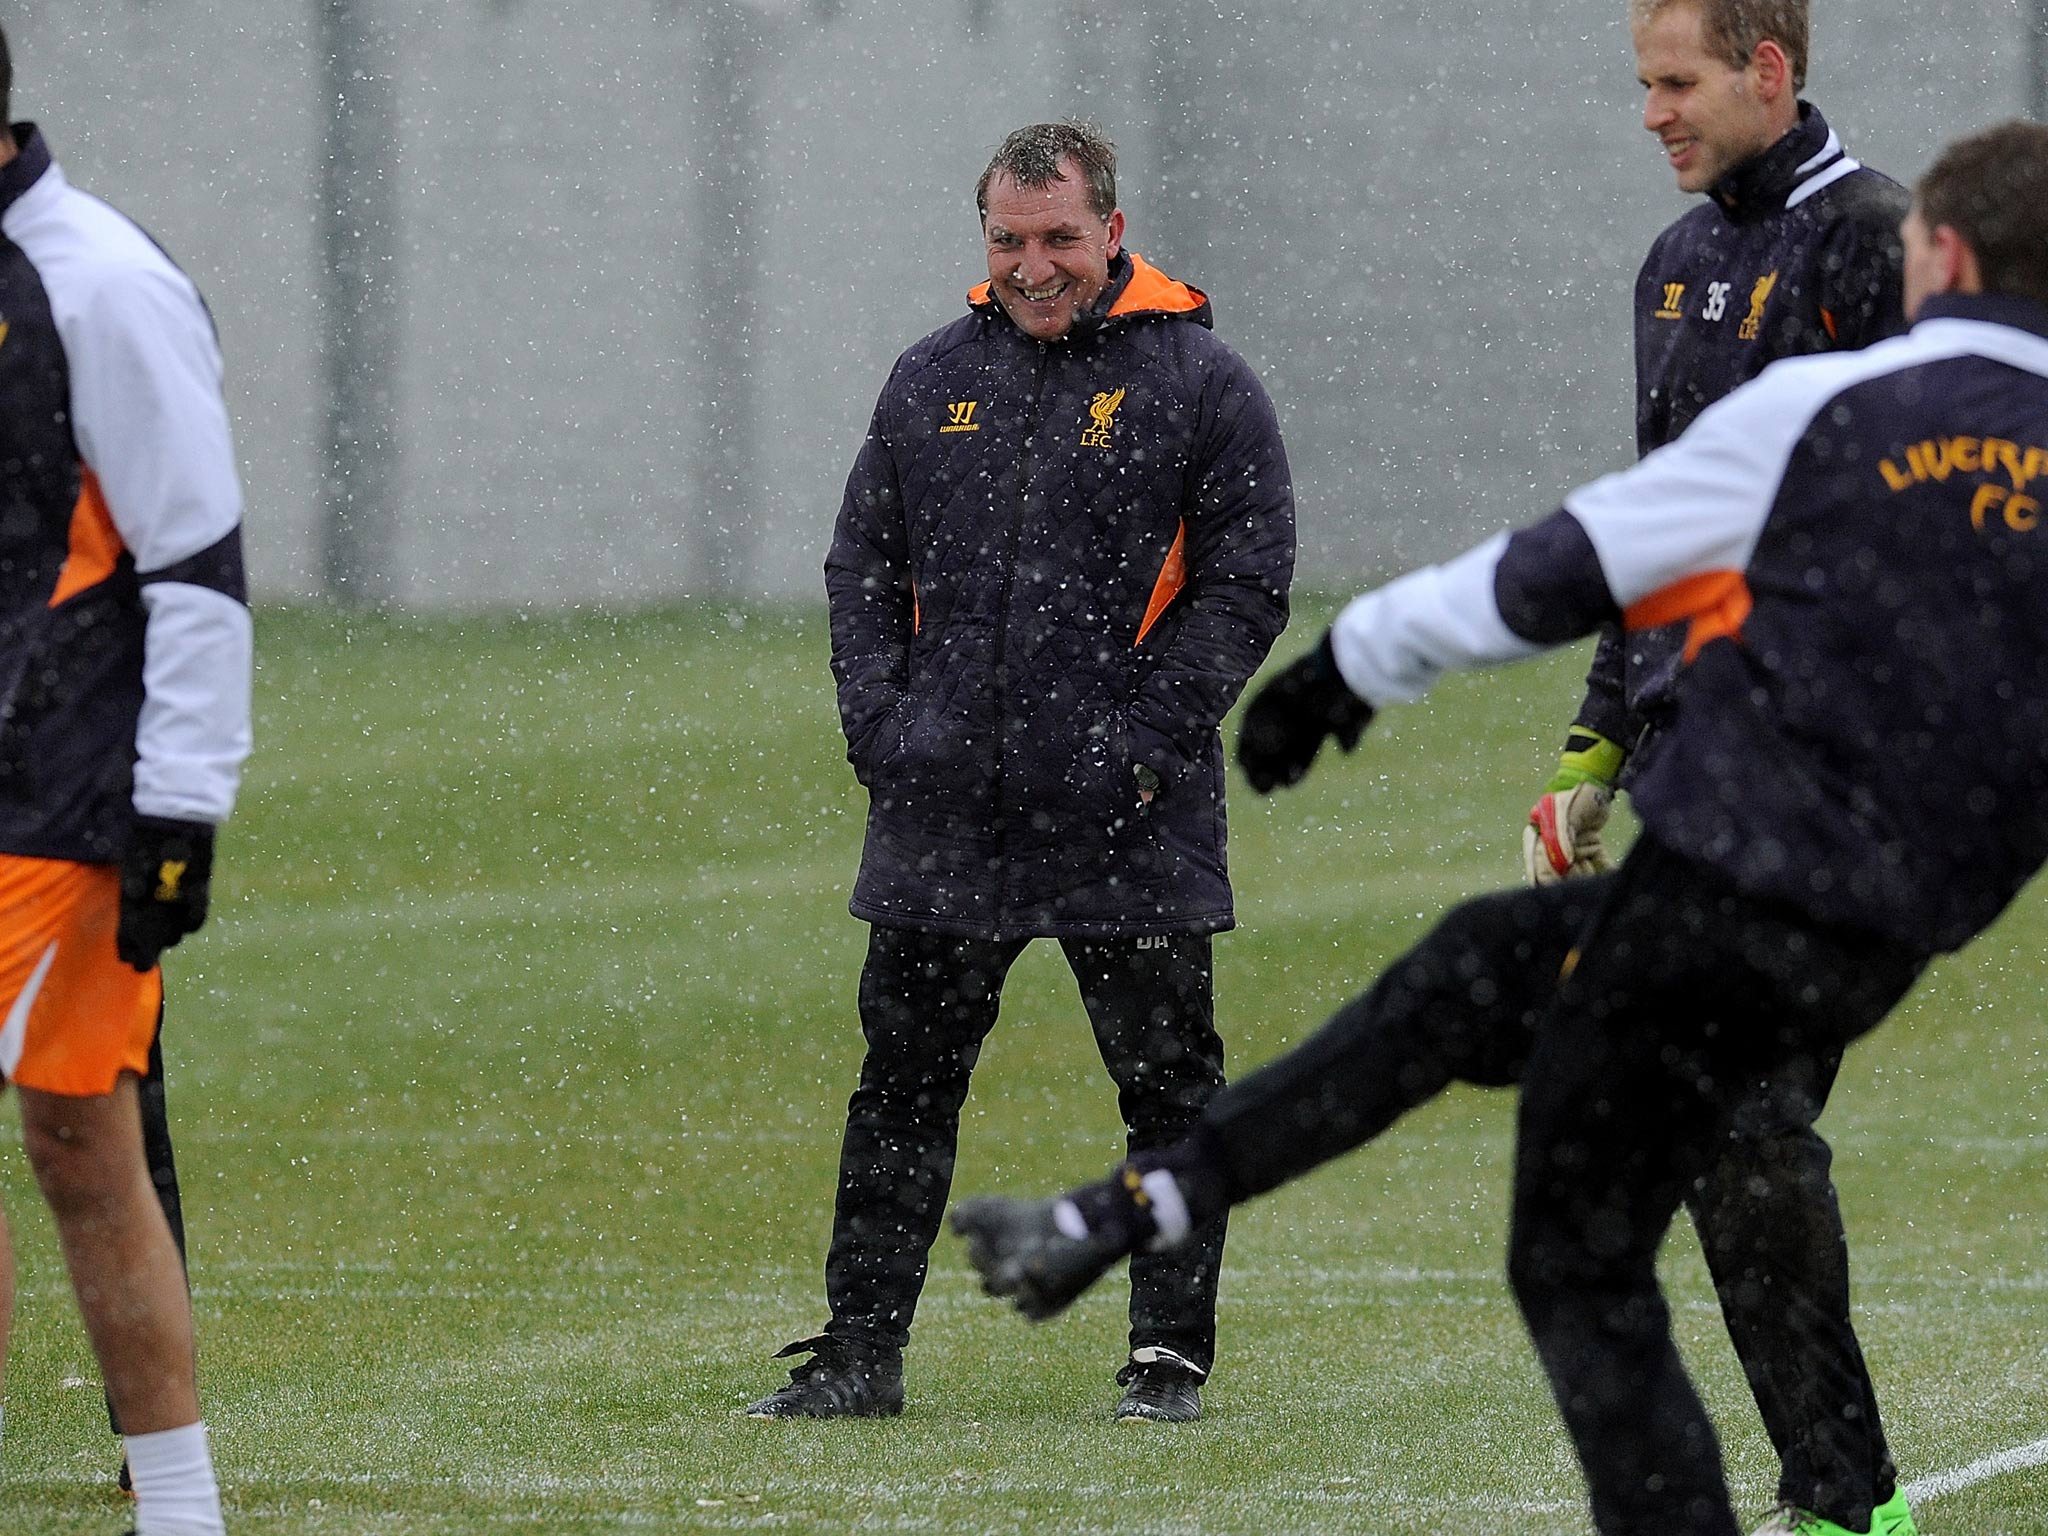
[1857, 781]
[1064, 548]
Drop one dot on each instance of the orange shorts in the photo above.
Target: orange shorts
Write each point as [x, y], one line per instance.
[73, 1016]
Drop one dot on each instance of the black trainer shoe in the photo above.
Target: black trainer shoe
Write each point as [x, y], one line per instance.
[1039, 1255]
[124, 1481]
[841, 1380]
[1160, 1387]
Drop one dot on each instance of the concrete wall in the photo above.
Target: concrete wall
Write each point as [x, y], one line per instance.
[1421, 224]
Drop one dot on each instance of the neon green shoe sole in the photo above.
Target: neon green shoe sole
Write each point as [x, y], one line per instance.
[1791, 1520]
[1894, 1517]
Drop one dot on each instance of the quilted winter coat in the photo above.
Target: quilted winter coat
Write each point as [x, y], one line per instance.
[1056, 560]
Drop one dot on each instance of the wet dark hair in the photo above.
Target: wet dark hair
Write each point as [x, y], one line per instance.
[1992, 189]
[1031, 158]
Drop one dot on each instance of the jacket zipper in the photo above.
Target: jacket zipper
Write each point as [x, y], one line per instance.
[1014, 535]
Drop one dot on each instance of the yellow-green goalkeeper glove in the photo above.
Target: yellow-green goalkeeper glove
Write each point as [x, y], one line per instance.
[1562, 840]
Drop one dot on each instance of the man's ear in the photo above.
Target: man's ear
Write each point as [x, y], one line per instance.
[1116, 232]
[1771, 71]
[1960, 271]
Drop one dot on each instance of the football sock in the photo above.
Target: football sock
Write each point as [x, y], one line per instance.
[1118, 1209]
[175, 1492]
[1154, 1200]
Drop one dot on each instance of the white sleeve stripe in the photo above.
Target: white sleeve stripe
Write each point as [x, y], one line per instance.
[194, 732]
[1394, 643]
[1693, 509]
[1699, 503]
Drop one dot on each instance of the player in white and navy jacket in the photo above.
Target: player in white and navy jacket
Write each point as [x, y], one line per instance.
[1858, 780]
[1870, 746]
[125, 661]
[124, 628]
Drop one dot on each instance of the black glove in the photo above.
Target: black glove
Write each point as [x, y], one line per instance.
[1286, 721]
[164, 880]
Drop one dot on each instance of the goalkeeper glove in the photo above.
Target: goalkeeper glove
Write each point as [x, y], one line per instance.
[1562, 840]
[1287, 720]
[164, 881]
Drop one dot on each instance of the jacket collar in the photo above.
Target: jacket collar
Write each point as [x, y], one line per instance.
[30, 163]
[2008, 309]
[1791, 170]
[1136, 290]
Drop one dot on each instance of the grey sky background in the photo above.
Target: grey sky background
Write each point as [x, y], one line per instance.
[1420, 223]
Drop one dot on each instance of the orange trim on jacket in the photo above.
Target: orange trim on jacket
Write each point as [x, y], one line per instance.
[1716, 602]
[1151, 292]
[1148, 291]
[1173, 576]
[95, 543]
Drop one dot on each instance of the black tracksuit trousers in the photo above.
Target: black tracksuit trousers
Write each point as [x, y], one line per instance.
[1675, 1042]
[927, 1001]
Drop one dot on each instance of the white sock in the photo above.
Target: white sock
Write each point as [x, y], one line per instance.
[1169, 1211]
[175, 1494]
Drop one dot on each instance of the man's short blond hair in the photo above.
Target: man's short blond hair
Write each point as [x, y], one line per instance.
[1733, 28]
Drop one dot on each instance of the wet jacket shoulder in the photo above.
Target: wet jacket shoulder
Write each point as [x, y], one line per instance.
[1054, 561]
[1791, 254]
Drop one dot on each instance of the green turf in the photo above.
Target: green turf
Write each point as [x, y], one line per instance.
[508, 1077]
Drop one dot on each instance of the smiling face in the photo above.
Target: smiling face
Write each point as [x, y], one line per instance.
[1048, 251]
[1709, 115]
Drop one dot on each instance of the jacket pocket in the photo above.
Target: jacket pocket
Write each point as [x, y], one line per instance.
[925, 760]
[1099, 781]
[867, 749]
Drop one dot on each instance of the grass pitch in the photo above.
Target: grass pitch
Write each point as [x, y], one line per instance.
[507, 1084]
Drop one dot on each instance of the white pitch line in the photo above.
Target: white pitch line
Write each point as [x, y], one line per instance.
[2018, 1459]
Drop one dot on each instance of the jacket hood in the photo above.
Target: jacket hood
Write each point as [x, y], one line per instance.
[1137, 290]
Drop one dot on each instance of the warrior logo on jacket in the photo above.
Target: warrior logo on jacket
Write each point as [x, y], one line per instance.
[1103, 409]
